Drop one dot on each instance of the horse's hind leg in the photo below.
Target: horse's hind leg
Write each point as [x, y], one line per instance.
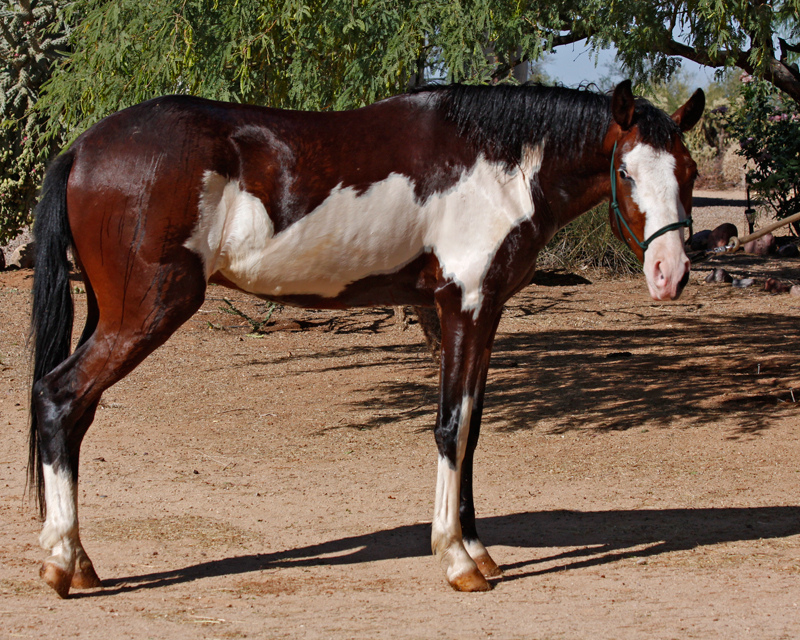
[129, 328]
[85, 577]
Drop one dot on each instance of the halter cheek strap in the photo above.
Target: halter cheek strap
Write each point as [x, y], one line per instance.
[687, 222]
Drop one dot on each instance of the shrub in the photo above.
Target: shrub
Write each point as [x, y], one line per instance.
[588, 242]
[767, 124]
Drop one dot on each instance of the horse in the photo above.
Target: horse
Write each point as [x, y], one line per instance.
[441, 197]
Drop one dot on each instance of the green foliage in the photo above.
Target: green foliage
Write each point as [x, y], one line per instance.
[715, 33]
[306, 54]
[767, 124]
[708, 142]
[32, 36]
[333, 54]
[589, 243]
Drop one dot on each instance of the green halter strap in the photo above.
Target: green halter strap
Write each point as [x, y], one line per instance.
[687, 222]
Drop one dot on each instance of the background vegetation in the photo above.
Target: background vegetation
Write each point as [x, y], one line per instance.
[64, 64]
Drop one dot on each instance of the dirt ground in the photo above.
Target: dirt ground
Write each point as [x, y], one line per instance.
[637, 475]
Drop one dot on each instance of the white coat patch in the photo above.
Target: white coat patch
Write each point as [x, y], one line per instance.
[350, 236]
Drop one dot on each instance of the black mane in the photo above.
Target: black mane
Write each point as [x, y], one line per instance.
[504, 119]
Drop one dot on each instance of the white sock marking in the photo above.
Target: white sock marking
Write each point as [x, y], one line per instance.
[60, 532]
[446, 537]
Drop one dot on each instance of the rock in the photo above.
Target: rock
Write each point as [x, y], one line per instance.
[720, 236]
[795, 291]
[776, 286]
[699, 240]
[760, 246]
[742, 283]
[789, 251]
[719, 275]
[22, 258]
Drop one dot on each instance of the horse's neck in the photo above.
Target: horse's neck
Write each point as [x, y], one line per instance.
[574, 188]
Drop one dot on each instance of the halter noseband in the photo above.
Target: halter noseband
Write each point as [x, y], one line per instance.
[686, 222]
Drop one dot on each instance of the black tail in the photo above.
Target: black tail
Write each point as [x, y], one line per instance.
[52, 311]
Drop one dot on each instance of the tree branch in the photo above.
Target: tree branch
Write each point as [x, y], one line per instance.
[675, 48]
[785, 46]
[570, 38]
[781, 74]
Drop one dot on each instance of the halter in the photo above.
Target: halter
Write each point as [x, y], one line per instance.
[686, 222]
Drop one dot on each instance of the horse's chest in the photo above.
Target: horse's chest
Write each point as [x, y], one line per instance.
[351, 236]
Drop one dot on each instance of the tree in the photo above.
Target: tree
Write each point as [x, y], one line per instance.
[343, 53]
[334, 54]
[312, 54]
[768, 130]
[753, 35]
[33, 35]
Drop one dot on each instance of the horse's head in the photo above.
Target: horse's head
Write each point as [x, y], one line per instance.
[652, 175]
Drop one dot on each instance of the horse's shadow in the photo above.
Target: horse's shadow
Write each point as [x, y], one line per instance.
[596, 538]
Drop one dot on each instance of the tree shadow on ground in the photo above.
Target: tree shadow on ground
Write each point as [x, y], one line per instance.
[701, 369]
[598, 537]
[747, 265]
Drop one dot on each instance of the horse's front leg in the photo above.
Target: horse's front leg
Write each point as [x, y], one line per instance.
[465, 342]
[477, 551]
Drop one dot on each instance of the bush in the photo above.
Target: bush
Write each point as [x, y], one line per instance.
[588, 242]
[767, 125]
[33, 34]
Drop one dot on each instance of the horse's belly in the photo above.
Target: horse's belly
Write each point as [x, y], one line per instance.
[352, 236]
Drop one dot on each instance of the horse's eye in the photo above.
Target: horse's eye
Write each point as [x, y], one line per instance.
[624, 174]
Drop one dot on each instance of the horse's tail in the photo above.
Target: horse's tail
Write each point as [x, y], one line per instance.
[52, 310]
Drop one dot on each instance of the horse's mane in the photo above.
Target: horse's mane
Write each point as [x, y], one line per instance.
[504, 119]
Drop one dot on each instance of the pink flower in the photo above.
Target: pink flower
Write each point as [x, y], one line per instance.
[746, 78]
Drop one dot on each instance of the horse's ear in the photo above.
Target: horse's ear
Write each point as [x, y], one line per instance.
[623, 105]
[688, 115]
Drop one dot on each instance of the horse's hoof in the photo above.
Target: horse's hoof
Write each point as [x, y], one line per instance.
[488, 567]
[470, 581]
[57, 578]
[85, 577]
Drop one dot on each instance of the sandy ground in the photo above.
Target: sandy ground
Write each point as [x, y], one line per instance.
[637, 475]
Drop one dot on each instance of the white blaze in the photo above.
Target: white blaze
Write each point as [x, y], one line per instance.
[656, 193]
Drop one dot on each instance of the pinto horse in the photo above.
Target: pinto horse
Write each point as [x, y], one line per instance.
[438, 198]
